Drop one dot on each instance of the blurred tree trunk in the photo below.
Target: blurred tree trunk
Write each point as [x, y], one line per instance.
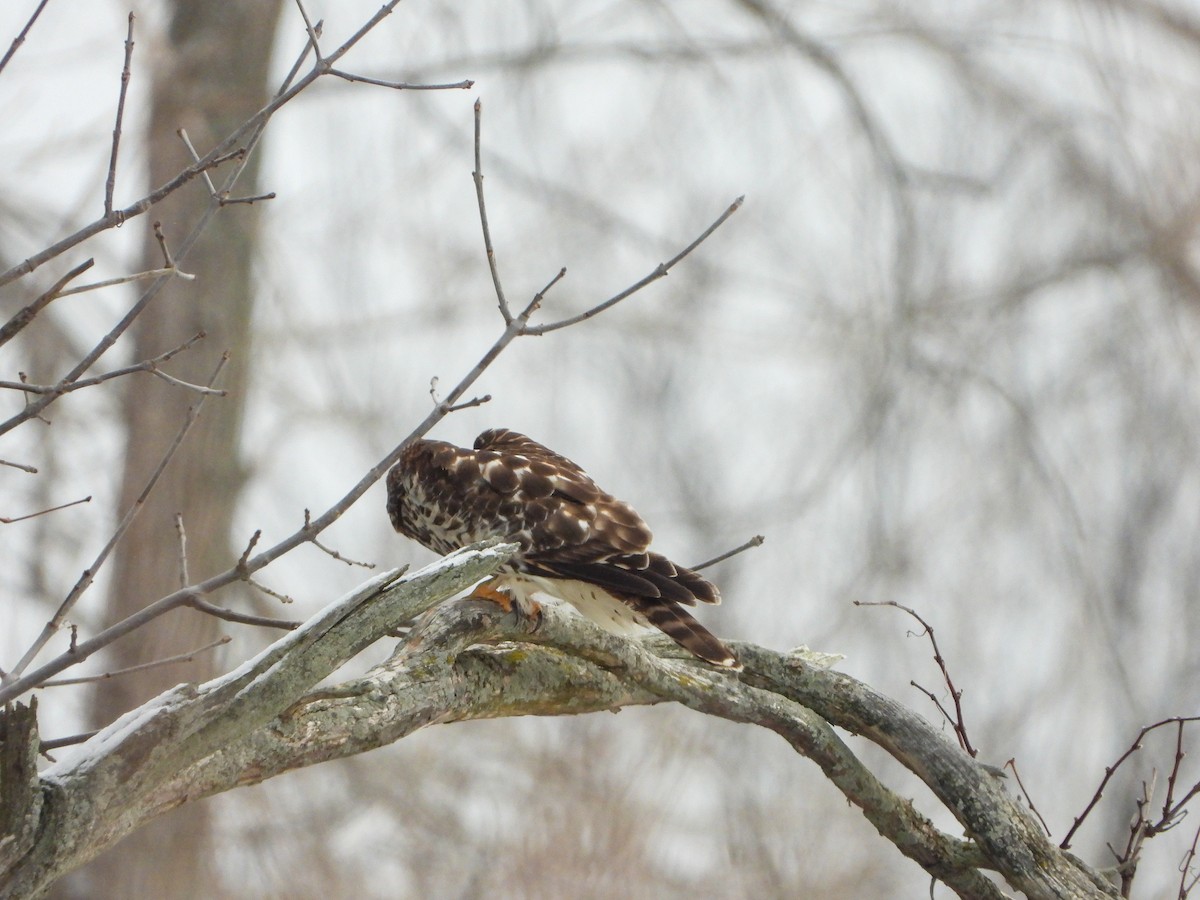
[209, 77]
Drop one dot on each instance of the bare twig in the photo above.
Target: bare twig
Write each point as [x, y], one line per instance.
[171, 272]
[755, 541]
[110, 182]
[8, 521]
[1012, 764]
[295, 69]
[282, 598]
[178, 382]
[477, 175]
[464, 85]
[1170, 812]
[241, 566]
[468, 404]
[536, 303]
[154, 664]
[230, 615]
[144, 366]
[56, 743]
[221, 197]
[16, 465]
[1171, 808]
[1127, 861]
[1188, 878]
[959, 725]
[168, 260]
[89, 574]
[660, 271]
[332, 552]
[313, 32]
[183, 562]
[229, 201]
[26, 315]
[20, 38]
[187, 142]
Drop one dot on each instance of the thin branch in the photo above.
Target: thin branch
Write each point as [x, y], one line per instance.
[230, 201]
[1109, 771]
[144, 366]
[1012, 764]
[282, 598]
[660, 271]
[16, 465]
[332, 552]
[178, 382]
[168, 260]
[469, 404]
[165, 661]
[26, 315]
[8, 521]
[56, 743]
[1127, 862]
[89, 574]
[1167, 811]
[110, 182]
[295, 69]
[477, 175]
[170, 272]
[956, 721]
[187, 142]
[250, 545]
[536, 303]
[183, 562]
[230, 615]
[464, 85]
[312, 31]
[220, 197]
[755, 541]
[1187, 878]
[20, 38]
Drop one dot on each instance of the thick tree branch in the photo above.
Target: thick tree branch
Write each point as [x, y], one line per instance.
[469, 660]
[130, 771]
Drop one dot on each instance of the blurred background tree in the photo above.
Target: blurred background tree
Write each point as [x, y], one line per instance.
[207, 74]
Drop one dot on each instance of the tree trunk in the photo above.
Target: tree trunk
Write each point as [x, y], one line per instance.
[211, 75]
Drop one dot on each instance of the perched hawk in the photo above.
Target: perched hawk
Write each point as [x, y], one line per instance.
[578, 543]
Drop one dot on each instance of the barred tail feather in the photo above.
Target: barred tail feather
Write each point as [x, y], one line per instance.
[689, 634]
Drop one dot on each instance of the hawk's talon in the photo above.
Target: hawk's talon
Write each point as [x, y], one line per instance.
[491, 594]
[526, 609]
[535, 616]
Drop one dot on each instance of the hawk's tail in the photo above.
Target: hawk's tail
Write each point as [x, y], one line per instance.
[680, 627]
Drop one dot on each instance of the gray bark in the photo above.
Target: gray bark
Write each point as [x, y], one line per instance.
[469, 660]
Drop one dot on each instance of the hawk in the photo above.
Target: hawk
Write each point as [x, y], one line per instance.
[577, 543]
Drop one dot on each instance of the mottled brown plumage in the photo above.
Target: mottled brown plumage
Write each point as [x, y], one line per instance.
[577, 542]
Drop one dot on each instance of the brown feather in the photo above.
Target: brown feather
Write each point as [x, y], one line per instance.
[513, 488]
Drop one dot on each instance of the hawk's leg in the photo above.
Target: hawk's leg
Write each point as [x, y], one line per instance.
[509, 598]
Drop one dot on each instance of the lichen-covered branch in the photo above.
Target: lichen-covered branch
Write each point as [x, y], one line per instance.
[468, 659]
[130, 771]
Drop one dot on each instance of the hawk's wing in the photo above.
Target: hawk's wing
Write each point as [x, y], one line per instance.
[576, 530]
